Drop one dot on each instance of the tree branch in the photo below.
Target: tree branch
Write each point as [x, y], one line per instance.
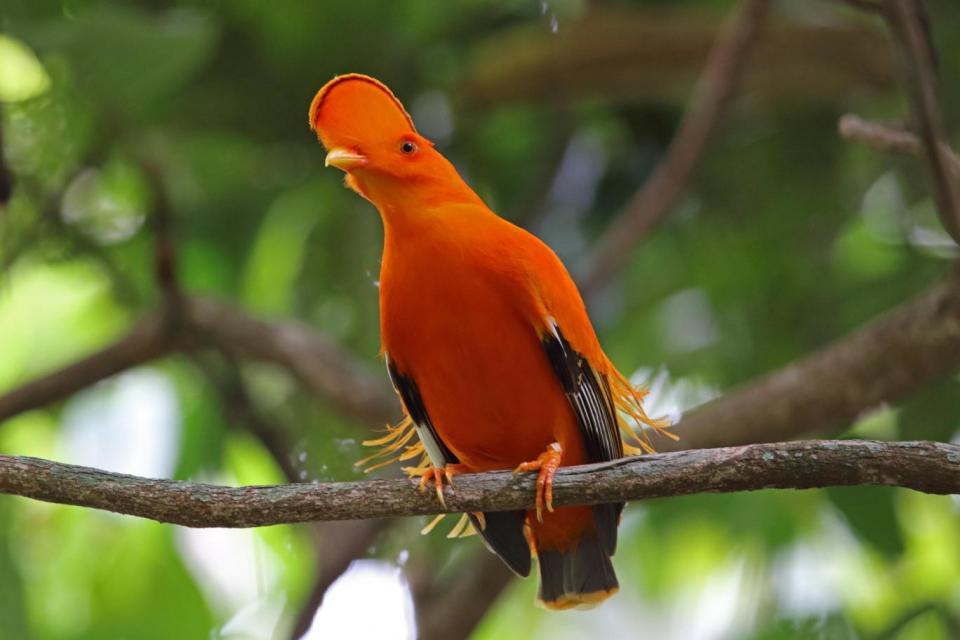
[902, 350]
[910, 27]
[893, 139]
[930, 467]
[322, 366]
[663, 189]
[148, 340]
[338, 545]
[453, 608]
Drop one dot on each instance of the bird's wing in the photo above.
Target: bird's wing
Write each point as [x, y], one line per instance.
[589, 394]
[592, 402]
[571, 345]
[406, 387]
[581, 368]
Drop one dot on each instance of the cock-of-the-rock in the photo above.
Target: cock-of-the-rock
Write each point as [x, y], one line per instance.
[488, 344]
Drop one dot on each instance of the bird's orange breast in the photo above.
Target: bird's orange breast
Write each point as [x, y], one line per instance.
[451, 319]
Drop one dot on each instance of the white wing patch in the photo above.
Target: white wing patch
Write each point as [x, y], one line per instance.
[410, 396]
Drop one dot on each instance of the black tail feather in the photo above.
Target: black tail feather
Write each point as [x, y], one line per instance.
[607, 519]
[578, 577]
[503, 533]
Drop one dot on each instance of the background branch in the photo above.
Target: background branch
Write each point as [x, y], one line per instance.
[911, 29]
[164, 243]
[147, 341]
[662, 191]
[337, 544]
[930, 467]
[905, 349]
[320, 364]
[893, 139]
[453, 608]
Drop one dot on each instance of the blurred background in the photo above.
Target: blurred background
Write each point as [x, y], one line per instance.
[192, 115]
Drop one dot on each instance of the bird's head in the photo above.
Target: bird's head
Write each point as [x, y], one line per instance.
[369, 135]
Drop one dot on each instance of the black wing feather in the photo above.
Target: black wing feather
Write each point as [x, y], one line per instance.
[410, 394]
[592, 403]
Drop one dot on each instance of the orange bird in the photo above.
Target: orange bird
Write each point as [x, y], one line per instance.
[487, 342]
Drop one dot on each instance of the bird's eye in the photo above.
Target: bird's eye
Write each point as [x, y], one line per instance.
[408, 147]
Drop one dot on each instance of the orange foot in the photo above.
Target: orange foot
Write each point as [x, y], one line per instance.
[546, 464]
[438, 474]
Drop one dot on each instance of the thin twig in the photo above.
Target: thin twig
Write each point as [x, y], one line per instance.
[930, 467]
[893, 139]
[164, 243]
[240, 412]
[908, 24]
[662, 191]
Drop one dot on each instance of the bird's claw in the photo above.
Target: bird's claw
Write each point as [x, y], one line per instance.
[437, 474]
[546, 466]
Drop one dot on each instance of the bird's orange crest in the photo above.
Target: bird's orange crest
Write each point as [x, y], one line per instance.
[346, 100]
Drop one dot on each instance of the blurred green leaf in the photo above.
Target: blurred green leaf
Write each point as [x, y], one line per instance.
[871, 513]
[277, 256]
[130, 59]
[932, 413]
[13, 608]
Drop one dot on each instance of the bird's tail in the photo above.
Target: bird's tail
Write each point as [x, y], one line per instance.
[580, 577]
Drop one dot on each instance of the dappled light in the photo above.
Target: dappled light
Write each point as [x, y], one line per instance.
[370, 600]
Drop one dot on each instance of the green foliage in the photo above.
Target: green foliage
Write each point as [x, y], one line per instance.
[789, 238]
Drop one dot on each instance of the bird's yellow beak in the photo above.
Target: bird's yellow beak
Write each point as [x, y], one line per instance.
[344, 159]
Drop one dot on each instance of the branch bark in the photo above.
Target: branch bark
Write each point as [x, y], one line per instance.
[930, 467]
[663, 189]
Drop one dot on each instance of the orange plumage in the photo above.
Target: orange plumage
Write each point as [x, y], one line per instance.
[487, 341]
